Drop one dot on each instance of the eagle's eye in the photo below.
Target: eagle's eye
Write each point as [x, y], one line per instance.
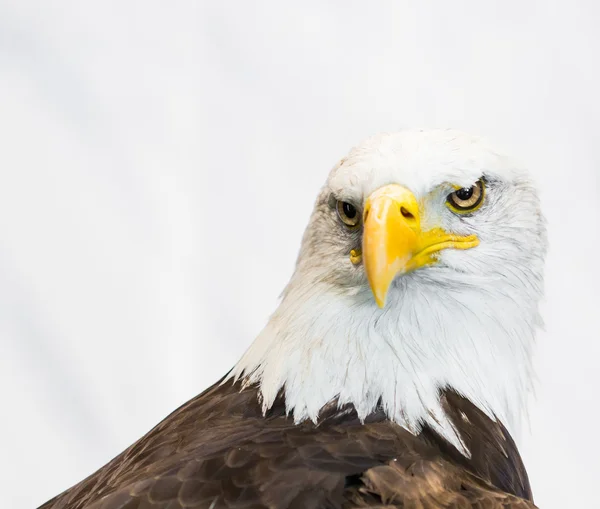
[467, 199]
[348, 213]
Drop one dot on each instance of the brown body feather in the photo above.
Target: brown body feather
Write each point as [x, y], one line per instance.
[220, 451]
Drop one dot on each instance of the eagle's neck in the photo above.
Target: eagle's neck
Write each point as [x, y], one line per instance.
[322, 344]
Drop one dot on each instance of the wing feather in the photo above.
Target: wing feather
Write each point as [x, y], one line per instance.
[218, 451]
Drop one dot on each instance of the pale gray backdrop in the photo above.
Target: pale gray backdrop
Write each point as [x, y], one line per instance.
[159, 161]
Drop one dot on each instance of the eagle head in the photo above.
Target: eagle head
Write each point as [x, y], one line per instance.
[421, 268]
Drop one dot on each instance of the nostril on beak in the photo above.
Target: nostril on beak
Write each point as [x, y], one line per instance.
[406, 213]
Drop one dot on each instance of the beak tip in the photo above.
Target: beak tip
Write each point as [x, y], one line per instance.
[379, 290]
[380, 300]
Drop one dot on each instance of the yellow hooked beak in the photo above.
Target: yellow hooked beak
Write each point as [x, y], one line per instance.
[393, 242]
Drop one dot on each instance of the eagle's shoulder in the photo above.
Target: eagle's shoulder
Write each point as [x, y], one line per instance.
[220, 451]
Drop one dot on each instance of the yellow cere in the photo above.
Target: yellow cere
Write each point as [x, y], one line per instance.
[393, 242]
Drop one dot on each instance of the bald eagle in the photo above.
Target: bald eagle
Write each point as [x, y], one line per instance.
[396, 368]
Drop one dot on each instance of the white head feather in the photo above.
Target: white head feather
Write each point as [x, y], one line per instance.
[467, 322]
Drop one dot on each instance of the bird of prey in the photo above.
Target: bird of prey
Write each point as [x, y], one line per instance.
[394, 372]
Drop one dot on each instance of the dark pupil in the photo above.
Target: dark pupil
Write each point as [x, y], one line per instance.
[465, 193]
[349, 210]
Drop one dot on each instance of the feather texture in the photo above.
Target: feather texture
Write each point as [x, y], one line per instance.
[219, 451]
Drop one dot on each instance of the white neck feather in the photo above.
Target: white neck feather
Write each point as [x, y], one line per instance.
[325, 342]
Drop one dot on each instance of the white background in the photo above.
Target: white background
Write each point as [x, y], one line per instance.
[158, 164]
